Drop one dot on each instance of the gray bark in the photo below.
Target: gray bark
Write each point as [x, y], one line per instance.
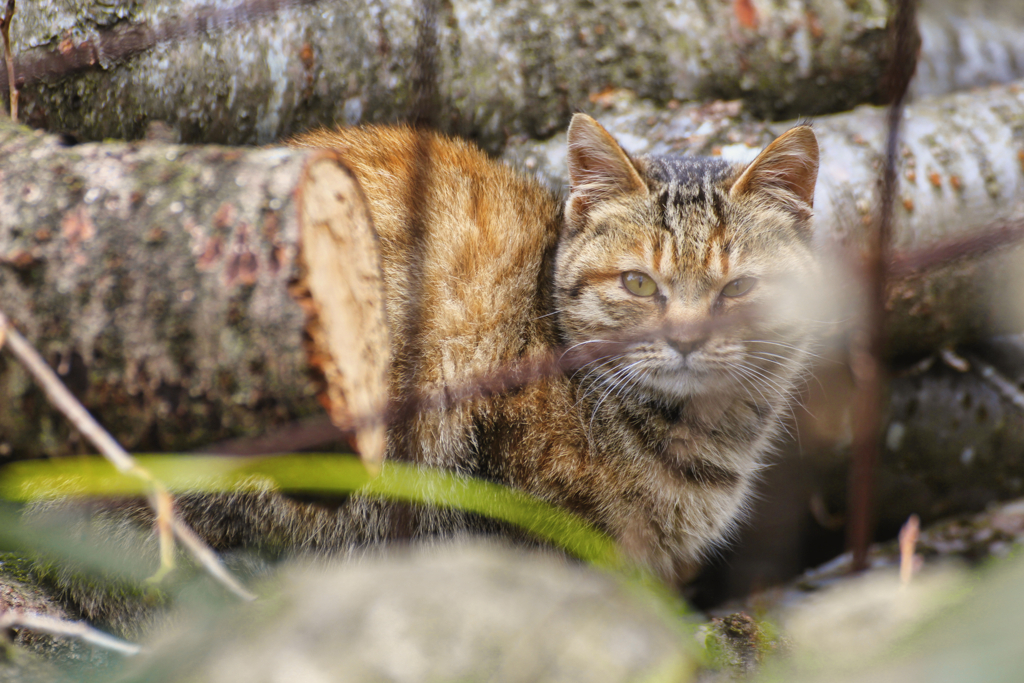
[961, 172]
[950, 443]
[968, 44]
[166, 285]
[251, 75]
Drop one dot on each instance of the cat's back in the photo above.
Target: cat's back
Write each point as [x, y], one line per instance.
[419, 181]
[470, 233]
[467, 245]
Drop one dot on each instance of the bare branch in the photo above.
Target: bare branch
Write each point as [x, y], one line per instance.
[302, 434]
[1003, 233]
[205, 555]
[867, 363]
[1007, 388]
[5, 30]
[64, 401]
[69, 629]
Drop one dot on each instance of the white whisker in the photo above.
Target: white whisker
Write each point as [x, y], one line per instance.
[554, 312]
[621, 377]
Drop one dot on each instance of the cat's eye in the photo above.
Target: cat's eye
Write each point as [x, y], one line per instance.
[739, 287]
[639, 283]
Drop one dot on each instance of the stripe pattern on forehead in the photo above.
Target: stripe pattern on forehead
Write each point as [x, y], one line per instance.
[688, 171]
[691, 201]
[686, 184]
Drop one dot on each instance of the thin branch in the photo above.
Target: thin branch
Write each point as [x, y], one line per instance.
[207, 557]
[309, 432]
[908, 536]
[69, 629]
[869, 347]
[1007, 388]
[996, 236]
[159, 497]
[549, 363]
[5, 30]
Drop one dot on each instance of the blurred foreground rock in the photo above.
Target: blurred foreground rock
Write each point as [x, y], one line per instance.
[472, 613]
[947, 625]
[957, 620]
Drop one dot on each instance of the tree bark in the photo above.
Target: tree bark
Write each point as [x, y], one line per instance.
[959, 212]
[150, 282]
[264, 69]
[951, 437]
[166, 284]
[968, 44]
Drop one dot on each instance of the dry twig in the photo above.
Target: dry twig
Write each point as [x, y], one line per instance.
[125, 42]
[168, 523]
[909, 533]
[5, 31]
[70, 629]
[868, 351]
[1006, 387]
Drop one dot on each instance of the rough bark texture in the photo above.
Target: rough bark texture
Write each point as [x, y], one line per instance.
[155, 279]
[951, 438]
[961, 173]
[967, 44]
[260, 70]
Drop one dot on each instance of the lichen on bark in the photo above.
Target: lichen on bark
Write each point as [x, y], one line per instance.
[154, 278]
[236, 75]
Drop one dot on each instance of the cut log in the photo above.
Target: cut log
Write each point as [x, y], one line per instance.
[967, 44]
[959, 213]
[263, 69]
[166, 285]
[951, 439]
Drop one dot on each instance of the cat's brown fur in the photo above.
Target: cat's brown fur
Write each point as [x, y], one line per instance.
[659, 442]
[657, 436]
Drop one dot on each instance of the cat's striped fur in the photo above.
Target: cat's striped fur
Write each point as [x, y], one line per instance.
[658, 440]
[656, 437]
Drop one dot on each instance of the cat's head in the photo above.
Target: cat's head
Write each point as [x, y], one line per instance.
[693, 261]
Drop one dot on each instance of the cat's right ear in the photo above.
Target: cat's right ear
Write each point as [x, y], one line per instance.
[785, 172]
[598, 167]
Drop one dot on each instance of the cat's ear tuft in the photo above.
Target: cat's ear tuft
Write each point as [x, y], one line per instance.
[785, 171]
[598, 166]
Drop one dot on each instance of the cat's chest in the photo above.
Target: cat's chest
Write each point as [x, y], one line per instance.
[695, 428]
[706, 450]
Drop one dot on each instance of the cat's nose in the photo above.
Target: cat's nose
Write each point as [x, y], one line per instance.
[686, 346]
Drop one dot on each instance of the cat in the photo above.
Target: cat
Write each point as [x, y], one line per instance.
[669, 282]
[673, 266]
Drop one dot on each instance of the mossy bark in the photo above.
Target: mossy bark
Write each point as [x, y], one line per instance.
[165, 285]
[950, 440]
[259, 71]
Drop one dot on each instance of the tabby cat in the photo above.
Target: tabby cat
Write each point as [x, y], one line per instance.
[669, 280]
[673, 267]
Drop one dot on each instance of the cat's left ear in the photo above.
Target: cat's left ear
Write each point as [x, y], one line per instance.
[785, 171]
